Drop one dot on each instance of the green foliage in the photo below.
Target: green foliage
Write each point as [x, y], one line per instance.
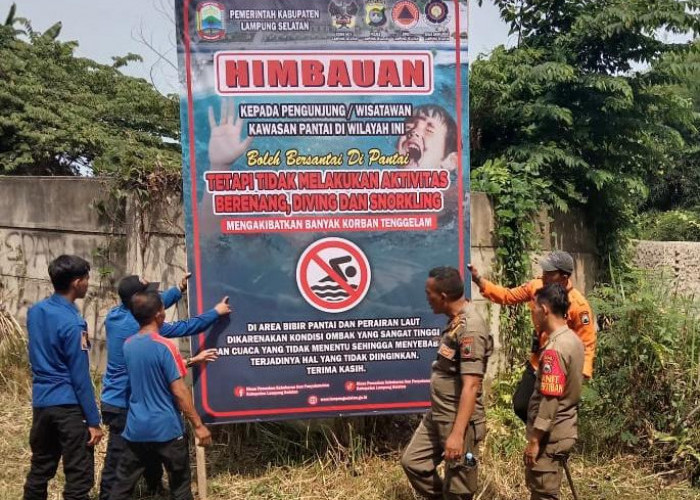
[60, 113]
[646, 389]
[679, 186]
[518, 186]
[564, 106]
[674, 225]
[505, 435]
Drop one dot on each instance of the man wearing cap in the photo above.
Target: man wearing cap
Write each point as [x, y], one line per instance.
[120, 324]
[557, 267]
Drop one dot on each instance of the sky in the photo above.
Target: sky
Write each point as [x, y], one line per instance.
[107, 28]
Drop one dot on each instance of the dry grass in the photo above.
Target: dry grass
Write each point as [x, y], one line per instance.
[13, 353]
[381, 478]
[249, 467]
[352, 459]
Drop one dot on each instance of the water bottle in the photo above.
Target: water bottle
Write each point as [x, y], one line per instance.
[468, 462]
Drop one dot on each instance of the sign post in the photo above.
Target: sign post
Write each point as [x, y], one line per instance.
[325, 170]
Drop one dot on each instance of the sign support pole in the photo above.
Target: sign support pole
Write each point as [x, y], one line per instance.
[201, 472]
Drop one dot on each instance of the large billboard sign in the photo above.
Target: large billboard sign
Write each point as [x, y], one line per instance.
[325, 169]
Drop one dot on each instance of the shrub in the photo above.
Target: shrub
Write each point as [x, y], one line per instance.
[675, 225]
[646, 391]
[14, 360]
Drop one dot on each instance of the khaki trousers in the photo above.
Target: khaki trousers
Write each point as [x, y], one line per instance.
[425, 452]
[544, 478]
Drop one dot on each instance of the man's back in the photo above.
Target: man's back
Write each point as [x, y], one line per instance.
[153, 363]
[53, 324]
[119, 326]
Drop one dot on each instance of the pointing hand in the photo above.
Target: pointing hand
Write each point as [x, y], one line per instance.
[223, 308]
[183, 282]
[476, 278]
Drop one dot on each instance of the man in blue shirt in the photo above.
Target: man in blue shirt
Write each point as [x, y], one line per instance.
[154, 429]
[65, 420]
[120, 325]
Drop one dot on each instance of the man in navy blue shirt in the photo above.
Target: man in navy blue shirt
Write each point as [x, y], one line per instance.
[154, 429]
[120, 324]
[65, 420]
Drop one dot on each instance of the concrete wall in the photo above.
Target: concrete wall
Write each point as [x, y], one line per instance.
[44, 217]
[679, 260]
[41, 218]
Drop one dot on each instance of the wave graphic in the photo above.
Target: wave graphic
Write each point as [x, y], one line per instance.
[331, 293]
[320, 288]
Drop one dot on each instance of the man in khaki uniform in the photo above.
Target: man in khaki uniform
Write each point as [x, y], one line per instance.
[552, 421]
[455, 423]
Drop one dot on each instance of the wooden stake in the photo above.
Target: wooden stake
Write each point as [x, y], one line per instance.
[201, 472]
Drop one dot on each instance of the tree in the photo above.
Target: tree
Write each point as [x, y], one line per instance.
[679, 187]
[60, 114]
[563, 118]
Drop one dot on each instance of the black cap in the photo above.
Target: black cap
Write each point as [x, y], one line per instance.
[558, 261]
[131, 285]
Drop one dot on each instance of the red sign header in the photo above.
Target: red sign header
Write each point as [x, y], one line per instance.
[323, 72]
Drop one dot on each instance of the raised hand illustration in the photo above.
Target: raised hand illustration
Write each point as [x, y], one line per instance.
[225, 143]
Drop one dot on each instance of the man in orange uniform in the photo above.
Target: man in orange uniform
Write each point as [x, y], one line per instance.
[557, 267]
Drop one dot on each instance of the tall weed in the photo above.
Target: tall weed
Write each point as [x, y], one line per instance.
[14, 360]
[645, 395]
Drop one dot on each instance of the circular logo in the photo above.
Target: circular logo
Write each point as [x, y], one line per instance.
[405, 14]
[239, 391]
[333, 275]
[375, 16]
[350, 386]
[312, 400]
[547, 368]
[436, 11]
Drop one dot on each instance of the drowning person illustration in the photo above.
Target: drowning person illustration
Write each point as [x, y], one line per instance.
[430, 139]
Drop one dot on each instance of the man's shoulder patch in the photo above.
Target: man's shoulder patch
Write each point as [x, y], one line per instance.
[585, 317]
[465, 346]
[456, 325]
[446, 352]
[553, 379]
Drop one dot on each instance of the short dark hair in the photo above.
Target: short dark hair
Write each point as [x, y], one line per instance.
[145, 306]
[435, 111]
[65, 268]
[556, 297]
[448, 281]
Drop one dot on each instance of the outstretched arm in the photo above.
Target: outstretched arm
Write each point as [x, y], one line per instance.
[198, 324]
[203, 357]
[172, 296]
[183, 398]
[502, 295]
